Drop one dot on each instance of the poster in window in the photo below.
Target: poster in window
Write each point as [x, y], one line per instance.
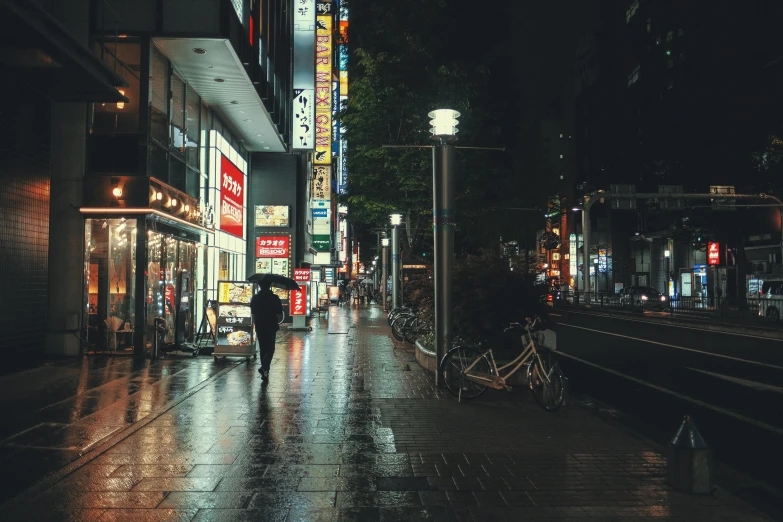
[280, 266]
[264, 265]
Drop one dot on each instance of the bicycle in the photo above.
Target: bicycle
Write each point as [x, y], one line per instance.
[468, 372]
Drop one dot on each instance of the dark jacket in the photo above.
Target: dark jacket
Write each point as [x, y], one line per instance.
[265, 306]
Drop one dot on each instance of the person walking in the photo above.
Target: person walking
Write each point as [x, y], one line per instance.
[265, 307]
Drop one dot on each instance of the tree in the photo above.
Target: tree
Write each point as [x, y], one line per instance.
[406, 65]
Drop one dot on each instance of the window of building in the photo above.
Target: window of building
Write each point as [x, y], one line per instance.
[649, 25]
[633, 76]
[192, 117]
[159, 98]
[669, 36]
[122, 117]
[177, 114]
[631, 11]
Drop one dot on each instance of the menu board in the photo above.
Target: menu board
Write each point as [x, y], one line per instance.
[234, 319]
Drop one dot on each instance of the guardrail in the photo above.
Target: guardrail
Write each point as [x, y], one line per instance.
[736, 310]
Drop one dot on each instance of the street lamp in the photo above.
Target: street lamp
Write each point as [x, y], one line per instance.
[444, 130]
[396, 221]
[385, 266]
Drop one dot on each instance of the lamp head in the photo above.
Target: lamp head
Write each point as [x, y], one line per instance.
[396, 219]
[385, 241]
[444, 123]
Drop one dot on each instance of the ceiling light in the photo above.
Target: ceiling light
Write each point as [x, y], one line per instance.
[187, 208]
[199, 50]
[173, 202]
[117, 191]
[121, 104]
[159, 196]
[219, 80]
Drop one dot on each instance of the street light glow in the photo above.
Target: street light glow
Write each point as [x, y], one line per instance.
[666, 253]
[444, 122]
[396, 219]
[385, 241]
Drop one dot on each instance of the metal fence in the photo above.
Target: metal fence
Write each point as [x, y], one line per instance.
[742, 310]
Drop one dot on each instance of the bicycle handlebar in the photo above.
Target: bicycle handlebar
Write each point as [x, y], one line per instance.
[528, 324]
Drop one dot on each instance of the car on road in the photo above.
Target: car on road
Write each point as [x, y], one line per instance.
[771, 299]
[643, 297]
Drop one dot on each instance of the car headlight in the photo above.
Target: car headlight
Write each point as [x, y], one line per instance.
[644, 298]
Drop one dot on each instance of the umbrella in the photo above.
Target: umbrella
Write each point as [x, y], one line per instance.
[367, 282]
[276, 279]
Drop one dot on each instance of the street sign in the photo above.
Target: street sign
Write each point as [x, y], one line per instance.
[623, 197]
[670, 203]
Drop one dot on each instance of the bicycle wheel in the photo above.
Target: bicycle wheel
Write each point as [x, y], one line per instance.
[397, 325]
[549, 391]
[412, 329]
[454, 364]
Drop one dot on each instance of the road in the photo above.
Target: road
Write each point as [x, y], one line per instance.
[655, 373]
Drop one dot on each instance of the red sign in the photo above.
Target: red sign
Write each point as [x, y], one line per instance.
[301, 275]
[232, 198]
[272, 246]
[299, 301]
[713, 253]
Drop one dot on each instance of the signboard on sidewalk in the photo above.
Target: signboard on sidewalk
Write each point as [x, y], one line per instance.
[234, 334]
[299, 301]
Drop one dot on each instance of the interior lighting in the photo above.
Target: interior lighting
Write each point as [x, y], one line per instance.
[666, 253]
[117, 191]
[187, 208]
[443, 123]
[121, 104]
[174, 202]
[159, 196]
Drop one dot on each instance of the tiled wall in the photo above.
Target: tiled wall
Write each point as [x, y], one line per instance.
[25, 134]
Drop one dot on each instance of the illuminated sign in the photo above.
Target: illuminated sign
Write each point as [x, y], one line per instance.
[323, 90]
[303, 106]
[232, 198]
[299, 301]
[713, 253]
[301, 275]
[321, 188]
[272, 246]
[322, 242]
[602, 260]
[272, 216]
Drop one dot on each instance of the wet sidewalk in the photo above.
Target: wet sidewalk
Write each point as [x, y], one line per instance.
[351, 428]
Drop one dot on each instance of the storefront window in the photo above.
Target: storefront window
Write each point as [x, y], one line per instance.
[110, 277]
[177, 114]
[159, 98]
[122, 117]
[192, 108]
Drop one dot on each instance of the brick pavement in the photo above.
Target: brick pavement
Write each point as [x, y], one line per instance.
[351, 428]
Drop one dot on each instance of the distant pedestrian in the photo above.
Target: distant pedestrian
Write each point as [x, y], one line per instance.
[361, 293]
[265, 307]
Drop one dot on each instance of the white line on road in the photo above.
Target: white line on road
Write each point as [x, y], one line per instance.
[555, 315]
[760, 386]
[634, 320]
[703, 404]
[675, 346]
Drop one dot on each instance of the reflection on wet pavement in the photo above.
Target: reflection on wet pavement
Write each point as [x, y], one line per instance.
[348, 428]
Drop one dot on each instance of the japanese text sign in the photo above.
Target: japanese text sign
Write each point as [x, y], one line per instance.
[713, 253]
[301, 275]
[299, 301]
[232, 198]
[272, 246]
[323, 90]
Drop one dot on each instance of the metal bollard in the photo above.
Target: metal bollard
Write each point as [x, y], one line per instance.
[689, 461]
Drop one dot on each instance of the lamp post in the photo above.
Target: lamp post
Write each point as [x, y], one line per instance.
[667, 257]
[385, 267]
[396, 220]
[444, 131]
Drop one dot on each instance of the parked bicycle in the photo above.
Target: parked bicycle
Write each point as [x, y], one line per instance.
[467, 372]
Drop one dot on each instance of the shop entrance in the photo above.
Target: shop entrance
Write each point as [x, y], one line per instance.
[110, 274]
[170, 279]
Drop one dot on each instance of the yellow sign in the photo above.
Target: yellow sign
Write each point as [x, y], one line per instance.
[323, 91]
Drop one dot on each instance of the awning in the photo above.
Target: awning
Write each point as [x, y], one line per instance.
[215, 71]
[152, 213]
[41, 53]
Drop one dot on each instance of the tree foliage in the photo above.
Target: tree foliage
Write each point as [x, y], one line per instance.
[405, 65]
